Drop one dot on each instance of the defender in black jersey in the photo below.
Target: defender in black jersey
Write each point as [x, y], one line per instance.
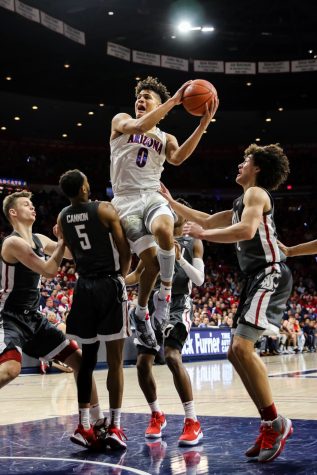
[93, 233]
[189, 267]
[22, 326]
[250, 225]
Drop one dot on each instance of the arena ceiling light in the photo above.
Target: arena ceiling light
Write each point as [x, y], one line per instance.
[186, 27]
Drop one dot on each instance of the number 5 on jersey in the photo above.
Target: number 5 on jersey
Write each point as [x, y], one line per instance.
[83, 236]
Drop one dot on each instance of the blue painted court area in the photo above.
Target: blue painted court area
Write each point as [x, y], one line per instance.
[43, 447]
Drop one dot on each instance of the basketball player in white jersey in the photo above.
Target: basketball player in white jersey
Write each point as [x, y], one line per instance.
[138, 151]
[250, 225]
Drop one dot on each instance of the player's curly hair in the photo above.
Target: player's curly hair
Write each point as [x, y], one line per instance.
[153, 84]
[273, 164]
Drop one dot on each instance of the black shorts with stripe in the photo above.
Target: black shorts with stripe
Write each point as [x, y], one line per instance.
[264, 296]
[99, 310]
[176, 333]
[30, 332]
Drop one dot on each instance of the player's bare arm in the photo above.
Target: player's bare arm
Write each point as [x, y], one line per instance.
[49, 246]
[125, 124]
[16, 249]
[256, 202]
[303, 249]
[176, 154]
[110, 218]
[207, 221]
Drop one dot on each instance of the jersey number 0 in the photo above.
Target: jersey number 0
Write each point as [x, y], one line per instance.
[142, 157]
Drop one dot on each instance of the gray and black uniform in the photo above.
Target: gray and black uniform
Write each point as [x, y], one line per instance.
[22, 326]
[268, 279]
[99, 309]
[181, 309]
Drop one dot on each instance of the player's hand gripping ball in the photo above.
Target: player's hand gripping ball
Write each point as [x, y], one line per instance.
[197, 95]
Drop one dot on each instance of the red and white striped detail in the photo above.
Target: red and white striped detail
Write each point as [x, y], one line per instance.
[261, 299]
[186, 314]
[257, 311]
[7, 282]
[268, 239]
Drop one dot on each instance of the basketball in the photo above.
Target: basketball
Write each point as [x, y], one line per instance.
[197, 95]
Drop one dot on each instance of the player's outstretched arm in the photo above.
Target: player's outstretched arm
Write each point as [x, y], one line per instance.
[303, 249]
[15, 249]
[110, 218]
[207, 221]
[49, 245]
[255, 200]
[176, 154]
[124, 124]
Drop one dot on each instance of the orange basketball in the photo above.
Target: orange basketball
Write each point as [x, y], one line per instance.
[197, 94]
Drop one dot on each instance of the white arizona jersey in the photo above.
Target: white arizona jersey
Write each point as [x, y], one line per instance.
[137, 161]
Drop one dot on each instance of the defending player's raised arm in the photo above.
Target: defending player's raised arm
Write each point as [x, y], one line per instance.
[177, 154]
[255, 201]
[125, 124]
[15, 249]
[207, 221]
[49, 246]
[303, 249]
[195, 271]
[110, 218]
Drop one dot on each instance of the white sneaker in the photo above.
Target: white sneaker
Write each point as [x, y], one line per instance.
[144, 332]
[161, 314]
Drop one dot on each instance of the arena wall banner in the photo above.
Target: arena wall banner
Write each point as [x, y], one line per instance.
[204, 343]
[171, 62]
[118, 51]
[52, 23]
[28, 12]
[203, 66]
[146, 58]
[7, 4]
[304, 65]
[240, 68]
[273, 67]
[75, 35]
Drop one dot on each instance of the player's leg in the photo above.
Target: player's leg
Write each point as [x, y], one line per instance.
[115, 379]
[147, 384]
[176, 335]
[12, 337]
[263, 307]
[140, 315]
[10, 366]
[161, 224]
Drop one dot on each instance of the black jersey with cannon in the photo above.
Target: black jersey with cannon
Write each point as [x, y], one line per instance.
[90, 242]
[262, 250]
[181, 283]
[19, 284]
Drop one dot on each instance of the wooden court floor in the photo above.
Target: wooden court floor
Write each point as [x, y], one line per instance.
[39, 413]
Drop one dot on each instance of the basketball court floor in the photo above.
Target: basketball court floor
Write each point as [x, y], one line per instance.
[39, 413]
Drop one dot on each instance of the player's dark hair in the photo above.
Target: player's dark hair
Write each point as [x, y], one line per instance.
[10, 200]
[273, 164]
[183, 202]
[71, 182]
[153, 84]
